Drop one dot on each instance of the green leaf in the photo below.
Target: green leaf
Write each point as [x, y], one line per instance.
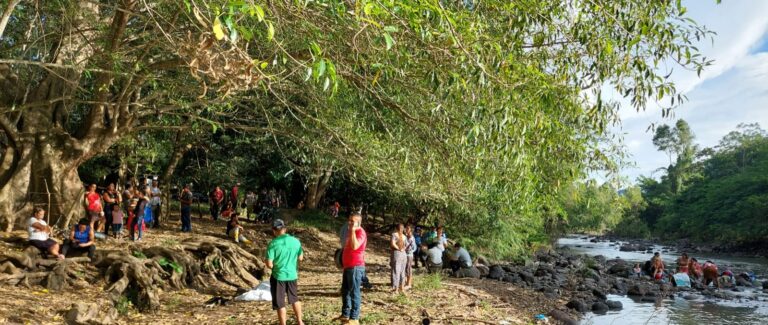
[388, 39]
[270, 31]
[258, 11]
[263, 65]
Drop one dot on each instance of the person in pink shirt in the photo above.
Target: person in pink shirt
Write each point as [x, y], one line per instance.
[353, 262]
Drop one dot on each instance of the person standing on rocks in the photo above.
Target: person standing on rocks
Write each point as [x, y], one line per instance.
[93, 207]
[353, 261]
[283, 256]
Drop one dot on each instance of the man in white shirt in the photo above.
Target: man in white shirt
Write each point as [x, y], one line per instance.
[39, 232]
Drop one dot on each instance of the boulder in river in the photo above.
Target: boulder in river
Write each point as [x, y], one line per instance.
[577, 305]
[614, 305]
[599, 308]
[599, 294]
[637, 290]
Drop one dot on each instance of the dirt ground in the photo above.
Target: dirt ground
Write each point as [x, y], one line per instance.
[442, 300]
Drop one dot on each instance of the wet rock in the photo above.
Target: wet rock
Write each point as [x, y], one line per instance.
[690, 297]
[599, 294]
[496, 272]
[614, 305]
[562, 317]
[765, 285]
[599, 308]
[648, 299]
[637, 290]
[577, 305]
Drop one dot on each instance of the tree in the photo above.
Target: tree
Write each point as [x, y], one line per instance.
[664, 139]
[483, 111]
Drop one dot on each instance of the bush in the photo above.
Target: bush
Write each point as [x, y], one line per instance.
[631, 227]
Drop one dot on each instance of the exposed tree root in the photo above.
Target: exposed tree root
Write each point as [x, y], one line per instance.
[205, 264]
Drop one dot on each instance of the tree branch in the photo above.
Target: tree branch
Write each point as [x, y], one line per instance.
[7, 15]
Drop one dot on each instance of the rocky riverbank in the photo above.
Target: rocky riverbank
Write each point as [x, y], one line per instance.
[583, 283]
[758, 249]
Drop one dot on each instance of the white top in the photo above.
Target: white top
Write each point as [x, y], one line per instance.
[35, 234]
[155, 199]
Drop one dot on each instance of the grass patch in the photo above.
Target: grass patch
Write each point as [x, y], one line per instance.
[428, 282]
[123, 305]
[319, 220]
[373, 318]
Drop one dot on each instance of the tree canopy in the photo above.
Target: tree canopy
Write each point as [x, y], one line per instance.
[480, 110]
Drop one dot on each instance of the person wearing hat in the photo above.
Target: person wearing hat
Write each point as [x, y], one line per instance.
[283, 256]
[80, 239]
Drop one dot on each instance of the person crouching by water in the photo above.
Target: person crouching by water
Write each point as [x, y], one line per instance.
[682, 263]
[283, 256]
[39, 234]
[710, 274]
[80, 239]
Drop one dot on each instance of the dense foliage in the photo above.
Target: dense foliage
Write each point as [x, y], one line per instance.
[475, 112]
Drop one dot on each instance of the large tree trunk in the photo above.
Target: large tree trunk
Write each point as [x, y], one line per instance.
[316, 186]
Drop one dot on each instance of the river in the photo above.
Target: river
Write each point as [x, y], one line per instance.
[751, 306]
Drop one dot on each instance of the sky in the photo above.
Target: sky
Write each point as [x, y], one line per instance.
[733, 90]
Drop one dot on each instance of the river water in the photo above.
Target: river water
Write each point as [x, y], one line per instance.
[750, 306]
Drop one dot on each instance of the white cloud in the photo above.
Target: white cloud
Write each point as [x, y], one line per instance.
[734, 90]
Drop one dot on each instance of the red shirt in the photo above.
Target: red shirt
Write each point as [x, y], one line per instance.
[218, 195]
[355, 257]
[233, 194]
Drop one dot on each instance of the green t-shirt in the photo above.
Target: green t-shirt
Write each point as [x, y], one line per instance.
[284, 253]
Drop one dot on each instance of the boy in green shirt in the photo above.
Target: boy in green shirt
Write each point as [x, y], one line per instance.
[283, 256]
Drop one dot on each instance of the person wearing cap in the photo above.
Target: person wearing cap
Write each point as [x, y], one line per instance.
[80, 239]
[283, 256]
[186, 209]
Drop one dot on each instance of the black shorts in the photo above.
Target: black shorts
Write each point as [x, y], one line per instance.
[282, 289]
[43, 245]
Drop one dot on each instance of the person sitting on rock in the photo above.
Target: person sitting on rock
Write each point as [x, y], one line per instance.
[80, 239]
[710, 274]
[727, 279]
[234, 230]
[657, 264]
[434, 258]
[636, 271]
[460, 258]
[39, 233]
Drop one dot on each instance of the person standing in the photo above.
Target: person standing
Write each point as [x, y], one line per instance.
[283, 256]
[353, 262]
[250, 204]
[217, 200]
[156, 204]
[398, 259]
[39, 234]
[111, 198]
[410, 250]
[233, 195]
[117, 221]
[186, 209]
[93, 207]
[127, 197]
[137, 223]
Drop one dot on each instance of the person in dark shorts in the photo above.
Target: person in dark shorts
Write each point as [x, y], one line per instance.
[39, 233]
[283, 256]
[80, 239]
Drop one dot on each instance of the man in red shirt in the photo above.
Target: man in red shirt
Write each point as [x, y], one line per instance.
[233, 196]
[217, 199]
[353, 261]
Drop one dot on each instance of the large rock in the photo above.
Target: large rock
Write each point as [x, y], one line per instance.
[599, 294]
[765, 285]
[599, 308]
[577, 305]
[469, 272]
[637, 290]
[484, 270]
[89, 314]
[527, 276]
[562, 317]
[614, 305]
[496, 272]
